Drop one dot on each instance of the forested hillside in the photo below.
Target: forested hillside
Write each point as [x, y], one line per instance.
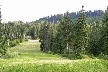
[92, 16]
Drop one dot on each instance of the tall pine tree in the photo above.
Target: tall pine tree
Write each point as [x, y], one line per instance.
[105, 33]
[81, 35]
[45, 37]
[64, 33]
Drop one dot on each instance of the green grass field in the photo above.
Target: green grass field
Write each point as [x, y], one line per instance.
[31, 59]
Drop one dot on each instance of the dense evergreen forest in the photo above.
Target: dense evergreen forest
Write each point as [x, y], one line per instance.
[70, 34]
[75, 39]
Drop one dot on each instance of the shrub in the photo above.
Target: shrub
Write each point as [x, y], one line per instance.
[49, 52]
[10, 55]
[72, 56]
[103, 56]
[12, 43]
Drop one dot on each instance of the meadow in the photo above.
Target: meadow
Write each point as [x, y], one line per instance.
[29, 58]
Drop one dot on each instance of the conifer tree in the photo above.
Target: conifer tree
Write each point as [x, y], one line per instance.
[81, 35]
[64, 33]
[3, 38]
[105, 33]
[45, 37]
[94, 36]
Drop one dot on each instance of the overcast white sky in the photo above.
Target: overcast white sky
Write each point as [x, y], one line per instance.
[31, 10]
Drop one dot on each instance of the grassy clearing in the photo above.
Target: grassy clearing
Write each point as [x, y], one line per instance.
[31, 50]
[31, 59]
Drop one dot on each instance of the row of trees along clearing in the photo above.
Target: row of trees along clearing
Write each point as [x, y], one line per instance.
[77, 38]
[13, 33]
[64, 37]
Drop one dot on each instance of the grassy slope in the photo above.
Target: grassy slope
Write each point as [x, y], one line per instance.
[31, 59]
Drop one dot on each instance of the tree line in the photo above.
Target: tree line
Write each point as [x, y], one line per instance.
[11, 35]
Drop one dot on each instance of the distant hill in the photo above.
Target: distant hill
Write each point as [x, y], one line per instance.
[92, 16]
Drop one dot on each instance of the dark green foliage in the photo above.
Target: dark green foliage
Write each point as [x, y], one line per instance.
[94, 46]
[62, 41]
[33, 30]
[104, 33]
[11, 35]
[45, 37]
[81, 34]
[3, 40]
[76, 41]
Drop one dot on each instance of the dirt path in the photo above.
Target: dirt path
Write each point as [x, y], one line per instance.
[33, 40]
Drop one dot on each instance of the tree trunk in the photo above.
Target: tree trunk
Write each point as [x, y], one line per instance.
[68, 48]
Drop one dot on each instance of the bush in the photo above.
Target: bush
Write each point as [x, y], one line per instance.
[75, 56]
[103, 56]
[49, 52]
[12, 43]
[17, 42]
[91, 56]
[72, 56]
[10, 55]
[26, 39]
[83, 56]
